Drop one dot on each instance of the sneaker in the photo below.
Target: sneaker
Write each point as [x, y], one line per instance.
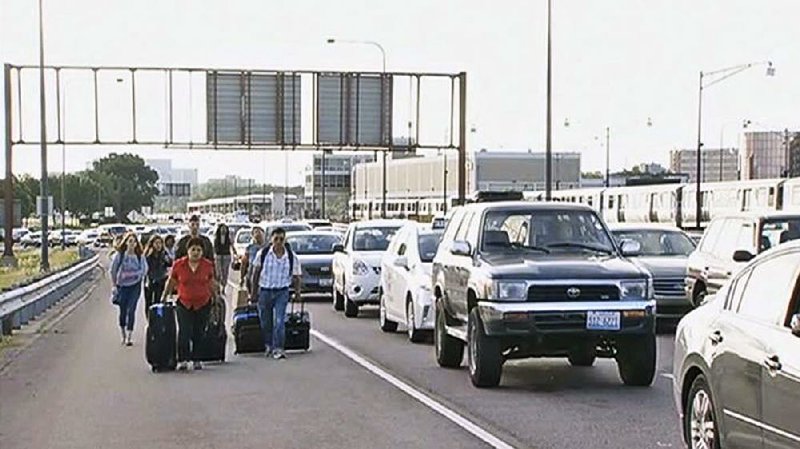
[197, 365]
[278, 354]
[183, 366]
[124, 336]
[268, 352]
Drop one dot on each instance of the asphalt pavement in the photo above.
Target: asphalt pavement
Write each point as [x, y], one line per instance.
[78, 387]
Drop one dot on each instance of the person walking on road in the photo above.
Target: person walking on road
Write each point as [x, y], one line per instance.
[275, 271]
[169, 247]
[249, 258]
[158, 263]
[223, 248]
[182, 249]
[193, 276]
[128, 270]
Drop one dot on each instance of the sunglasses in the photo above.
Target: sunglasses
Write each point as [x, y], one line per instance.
[278, 239]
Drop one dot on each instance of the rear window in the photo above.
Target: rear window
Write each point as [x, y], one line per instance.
[428, 244]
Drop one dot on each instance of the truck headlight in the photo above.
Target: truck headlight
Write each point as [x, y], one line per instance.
[510, 291]
[633, 290]
[360, 268]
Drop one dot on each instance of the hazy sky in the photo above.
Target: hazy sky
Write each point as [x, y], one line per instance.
[615, 63]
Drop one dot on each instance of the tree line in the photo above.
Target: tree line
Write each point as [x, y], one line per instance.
[121, 181]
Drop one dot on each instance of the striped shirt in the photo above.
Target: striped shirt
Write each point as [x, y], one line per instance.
[275, 273]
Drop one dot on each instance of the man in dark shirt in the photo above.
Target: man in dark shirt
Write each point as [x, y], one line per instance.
[194, 231]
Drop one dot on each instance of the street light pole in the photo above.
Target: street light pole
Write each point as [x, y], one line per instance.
[43, 191]
[608, 156]
[548, 173]
[383, 71]
[717, 76]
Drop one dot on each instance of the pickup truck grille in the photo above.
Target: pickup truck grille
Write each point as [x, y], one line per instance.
[669, 287]
[572, 292]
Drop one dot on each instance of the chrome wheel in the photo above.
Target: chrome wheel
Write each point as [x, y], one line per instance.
[702, 426]
[472, 347]
[410, 327]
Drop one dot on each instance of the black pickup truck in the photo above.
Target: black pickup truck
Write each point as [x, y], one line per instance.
[518, 279]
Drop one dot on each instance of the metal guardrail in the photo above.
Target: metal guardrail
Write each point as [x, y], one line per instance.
[19, 306]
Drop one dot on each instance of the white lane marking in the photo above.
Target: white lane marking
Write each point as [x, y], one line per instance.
[426, 400]
[762, 425]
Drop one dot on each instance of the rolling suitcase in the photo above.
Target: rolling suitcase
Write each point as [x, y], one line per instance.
[161, 337]
[215, 337]
[298, 328]
[242, 297]
[247, 330]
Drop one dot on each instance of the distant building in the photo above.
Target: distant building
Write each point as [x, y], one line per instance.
[652, 168]
[338, 184]
[420, 185]
[175, 185]
[716, 165]
[766, 154]
[794, 157]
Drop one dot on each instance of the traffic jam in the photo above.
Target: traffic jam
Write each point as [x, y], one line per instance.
[501, 279]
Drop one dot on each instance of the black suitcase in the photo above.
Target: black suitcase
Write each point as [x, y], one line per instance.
[247, 330]
[215, 338]
[161, 337]
[298, 329]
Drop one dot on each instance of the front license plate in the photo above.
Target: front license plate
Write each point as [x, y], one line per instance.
[603, 321]
[325, 282]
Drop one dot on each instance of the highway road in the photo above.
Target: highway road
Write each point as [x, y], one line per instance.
[357, 388]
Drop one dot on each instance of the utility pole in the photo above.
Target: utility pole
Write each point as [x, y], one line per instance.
[43, 191]
[548, 172]
[608, 156]
[8, 191]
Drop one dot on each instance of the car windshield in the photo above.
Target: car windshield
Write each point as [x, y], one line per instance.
[657, 242]
[544, 231]
[777, 231]
[373, 238]
[312, 244]
[428, 244]
[244, 236]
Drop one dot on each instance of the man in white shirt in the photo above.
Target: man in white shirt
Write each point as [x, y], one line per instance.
[276, 268]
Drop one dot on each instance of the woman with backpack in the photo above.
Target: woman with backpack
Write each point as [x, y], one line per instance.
[158, 263]
[223, 249]
[128, 270]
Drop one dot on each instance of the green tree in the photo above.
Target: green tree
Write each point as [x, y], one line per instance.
[125, 182]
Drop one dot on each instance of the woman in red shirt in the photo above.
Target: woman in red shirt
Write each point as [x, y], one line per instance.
[194, 278]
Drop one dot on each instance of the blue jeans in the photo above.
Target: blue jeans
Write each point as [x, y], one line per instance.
[272, 312]
[128, 298]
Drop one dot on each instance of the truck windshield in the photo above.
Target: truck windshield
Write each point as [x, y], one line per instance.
[777, 231]
[544, 232]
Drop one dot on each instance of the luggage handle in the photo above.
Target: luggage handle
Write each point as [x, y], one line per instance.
[292, 301]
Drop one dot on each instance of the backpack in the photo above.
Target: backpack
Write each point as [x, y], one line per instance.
[116, 264]
[264, 251]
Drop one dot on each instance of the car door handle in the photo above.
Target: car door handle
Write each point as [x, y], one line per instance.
[715, 337]
[773, 363]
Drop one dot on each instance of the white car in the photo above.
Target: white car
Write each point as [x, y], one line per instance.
[357, 264]
[18, 233]
[31, 239]
[88, 236]
[406, 281]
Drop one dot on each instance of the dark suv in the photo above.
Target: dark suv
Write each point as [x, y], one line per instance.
[516, 280]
